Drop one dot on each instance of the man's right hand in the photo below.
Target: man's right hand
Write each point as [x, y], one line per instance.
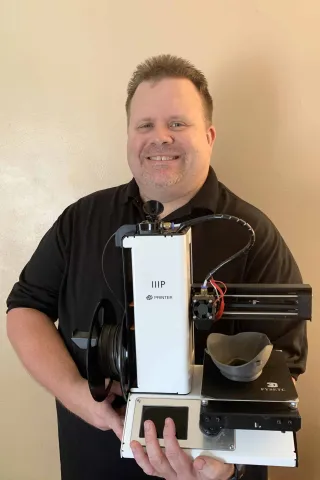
[98, 414]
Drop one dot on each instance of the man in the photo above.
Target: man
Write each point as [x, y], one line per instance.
[170, 139]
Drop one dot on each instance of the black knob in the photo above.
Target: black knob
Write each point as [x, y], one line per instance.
[153, 209]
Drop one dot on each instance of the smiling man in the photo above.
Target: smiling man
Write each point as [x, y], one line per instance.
[169, 146]
[170, 139]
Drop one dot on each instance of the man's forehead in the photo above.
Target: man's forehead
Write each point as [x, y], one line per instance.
[165, 86]
[171, 97]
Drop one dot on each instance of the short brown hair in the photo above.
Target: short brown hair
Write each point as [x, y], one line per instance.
[170, 66]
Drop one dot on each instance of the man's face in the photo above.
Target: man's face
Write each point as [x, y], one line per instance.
[169, 144]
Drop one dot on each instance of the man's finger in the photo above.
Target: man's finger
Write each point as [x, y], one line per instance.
[115, 421]
[115, 387]
[208, 468]
[141, 458]
[156, 456]
[111, 397]
[121, 411]
[178, 459]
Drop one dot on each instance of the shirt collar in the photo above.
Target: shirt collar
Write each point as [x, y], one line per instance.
[205, 200]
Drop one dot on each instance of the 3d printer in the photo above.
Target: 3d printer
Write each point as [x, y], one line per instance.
[241, 405]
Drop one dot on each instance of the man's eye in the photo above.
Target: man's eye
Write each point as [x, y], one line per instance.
[177, 124]
[145, 125]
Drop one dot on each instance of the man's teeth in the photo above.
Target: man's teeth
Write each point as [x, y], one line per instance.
[162, 158]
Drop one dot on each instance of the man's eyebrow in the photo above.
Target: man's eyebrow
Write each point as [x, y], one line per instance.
[179, 115]
[145, 119]
[172, 117]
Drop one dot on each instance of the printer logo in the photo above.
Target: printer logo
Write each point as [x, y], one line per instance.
[158, 284]
[159, 297]
[272, 387]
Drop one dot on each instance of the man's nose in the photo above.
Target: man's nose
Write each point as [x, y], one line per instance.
[161, 135]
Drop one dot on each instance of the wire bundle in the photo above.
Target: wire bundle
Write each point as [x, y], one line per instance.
[220, 293]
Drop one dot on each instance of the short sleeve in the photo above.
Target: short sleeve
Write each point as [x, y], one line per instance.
[271, 261]
[40, 280]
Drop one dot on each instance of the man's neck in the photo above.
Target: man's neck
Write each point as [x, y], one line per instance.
[172, 204]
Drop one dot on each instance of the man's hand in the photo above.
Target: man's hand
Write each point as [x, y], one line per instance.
[98, 414]
[173, 463]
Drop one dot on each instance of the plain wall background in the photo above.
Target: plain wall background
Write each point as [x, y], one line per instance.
[64, 71]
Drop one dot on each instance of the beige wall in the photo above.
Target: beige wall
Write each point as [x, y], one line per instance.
[64, 68]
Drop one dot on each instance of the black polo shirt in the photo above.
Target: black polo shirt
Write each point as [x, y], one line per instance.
[64, 280]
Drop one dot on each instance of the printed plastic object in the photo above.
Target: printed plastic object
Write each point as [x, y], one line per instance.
[240, 357]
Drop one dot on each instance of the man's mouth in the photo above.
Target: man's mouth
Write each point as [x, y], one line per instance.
[163, 158]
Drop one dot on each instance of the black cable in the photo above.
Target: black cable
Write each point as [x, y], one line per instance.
[128, 359]
[103, 272]
[115, 360]
[207, 218]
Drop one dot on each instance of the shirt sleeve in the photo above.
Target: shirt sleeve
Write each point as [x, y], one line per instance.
[40, 280]
[271, 261]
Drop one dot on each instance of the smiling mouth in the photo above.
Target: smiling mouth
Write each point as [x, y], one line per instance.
[163, 158]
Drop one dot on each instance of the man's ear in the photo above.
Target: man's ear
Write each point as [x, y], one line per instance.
[211, 135]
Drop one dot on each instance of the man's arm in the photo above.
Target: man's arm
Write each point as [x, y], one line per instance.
[271, 261]
[41, 350]
[32, 311]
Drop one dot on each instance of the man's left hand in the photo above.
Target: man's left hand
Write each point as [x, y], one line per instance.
[173, 463]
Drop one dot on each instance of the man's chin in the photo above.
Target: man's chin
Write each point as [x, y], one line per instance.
[160, 179]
